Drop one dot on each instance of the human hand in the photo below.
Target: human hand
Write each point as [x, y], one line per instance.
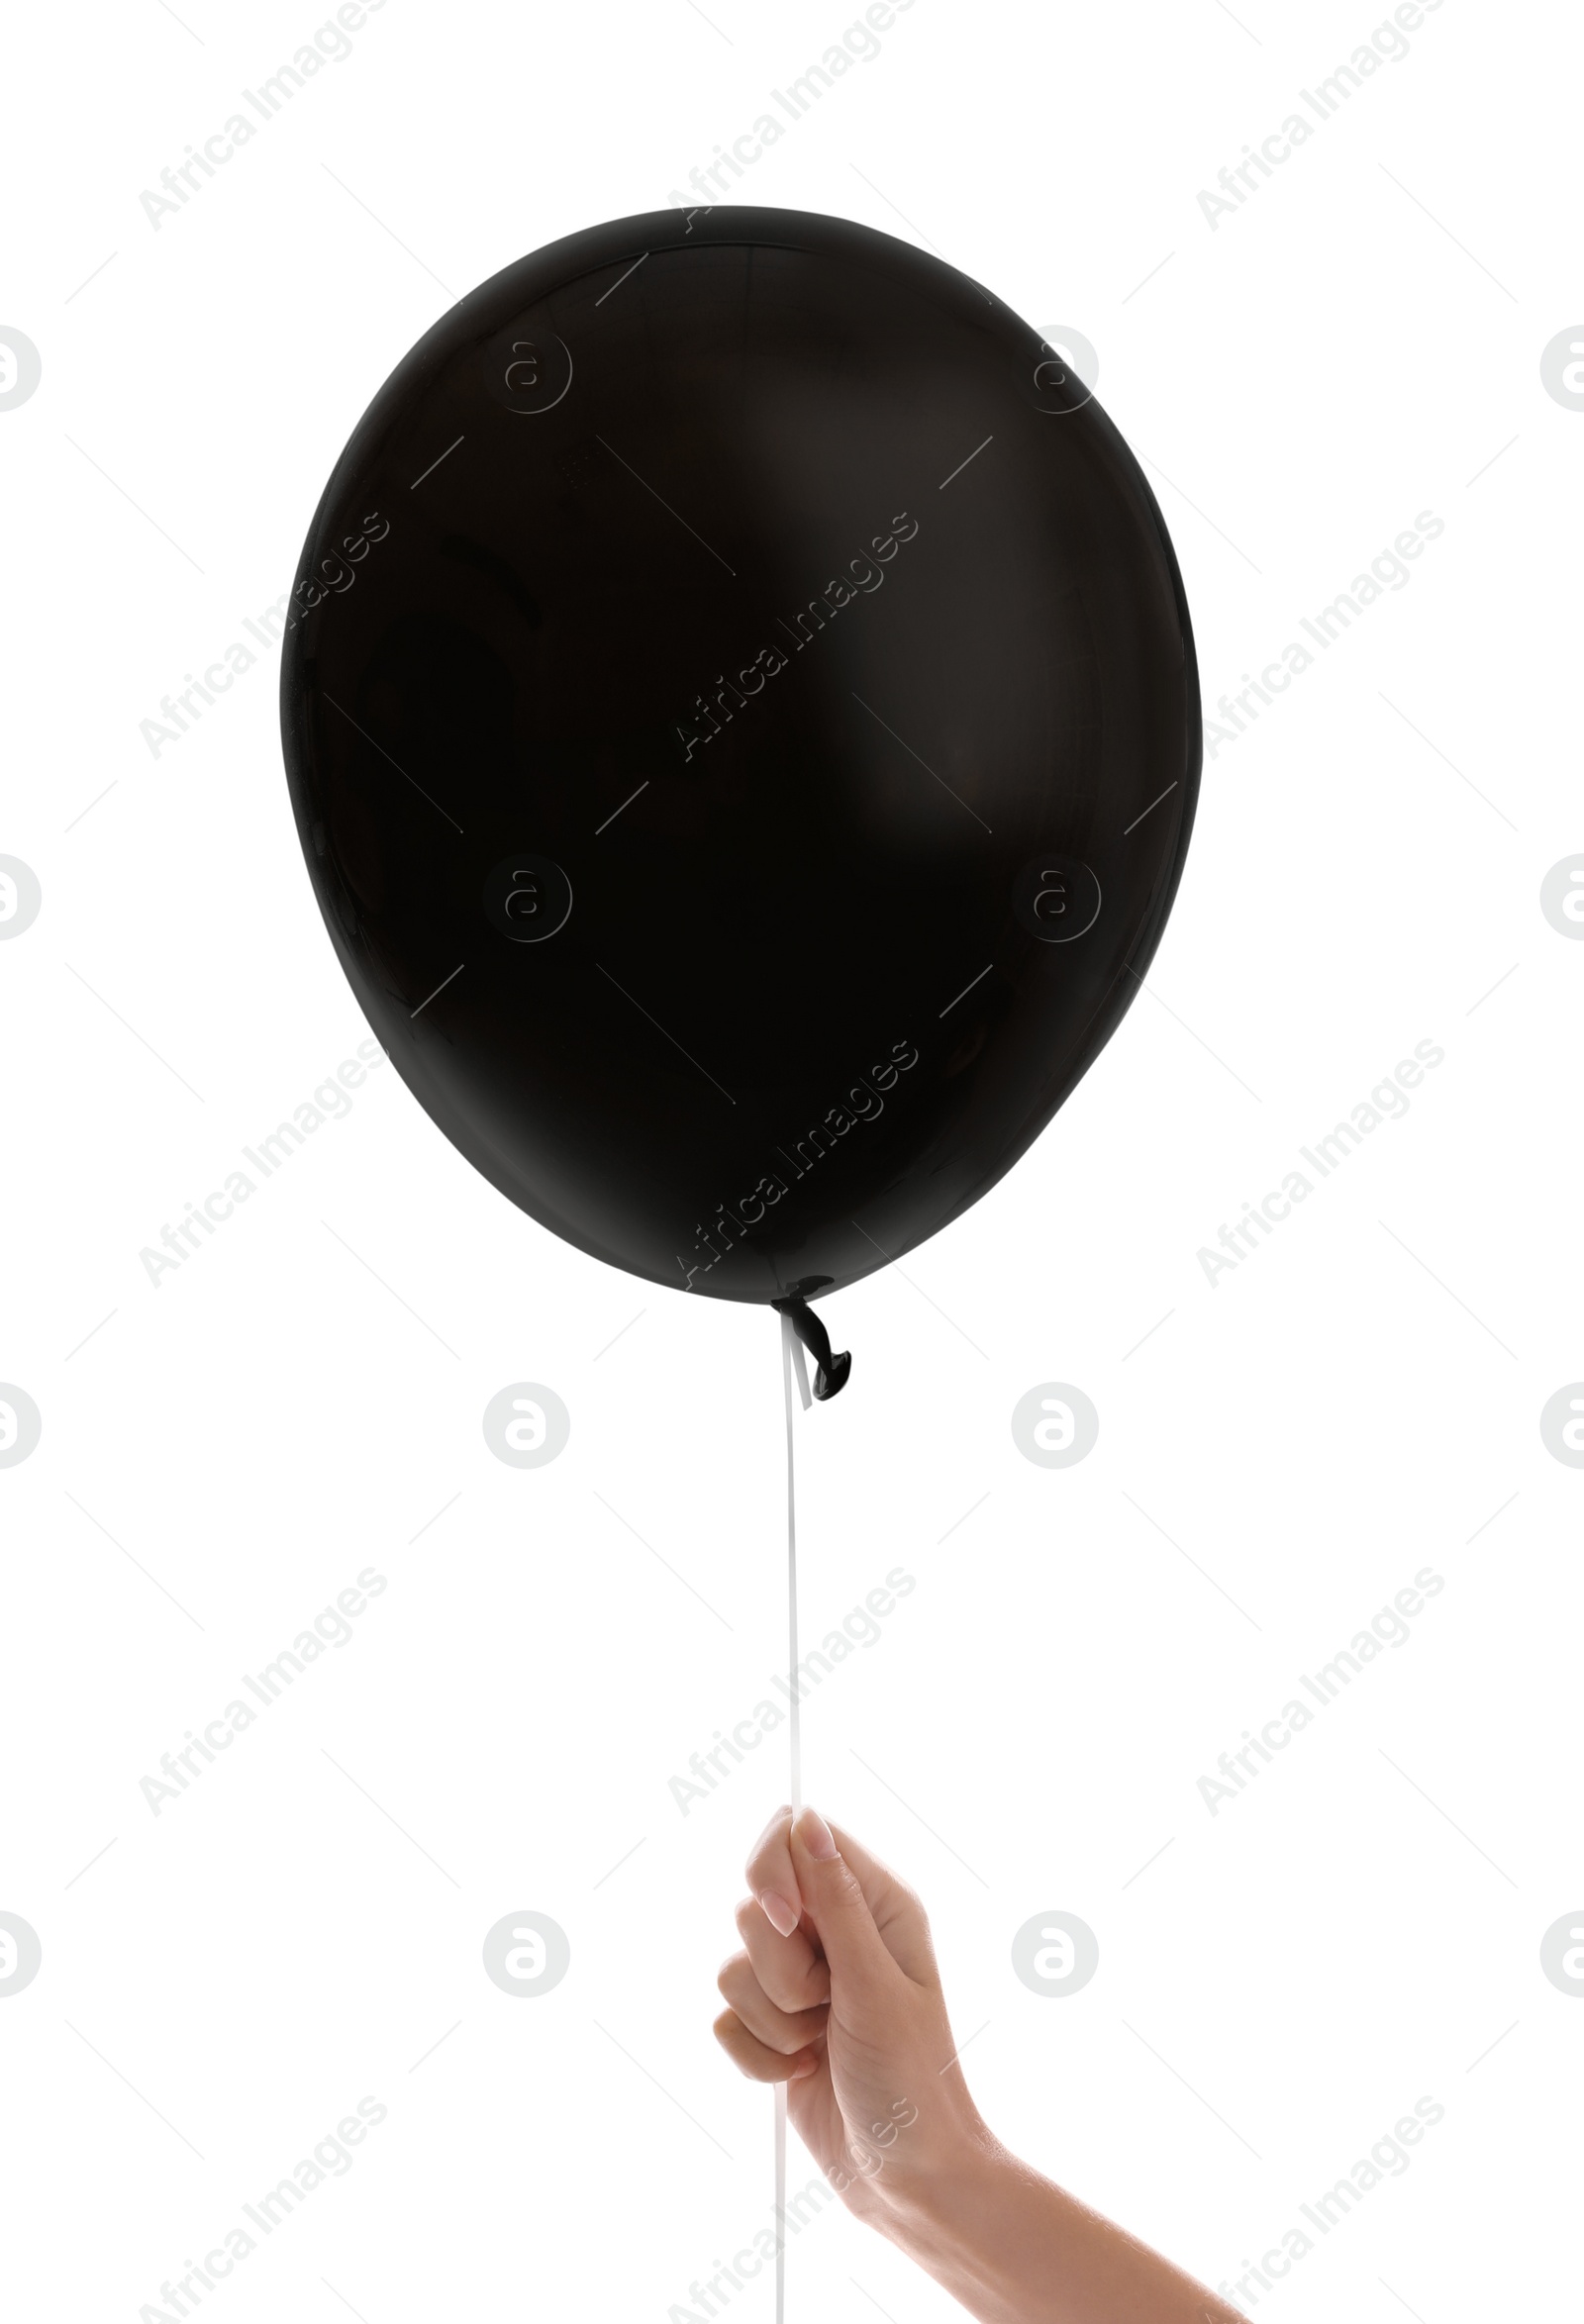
[836, 1994]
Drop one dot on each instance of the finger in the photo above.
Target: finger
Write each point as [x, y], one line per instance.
[750, 2057]
[784, 2030]
[789, 1969]
[770, 1875]
[898, 1915]
[862, 1970]
[773, 1877]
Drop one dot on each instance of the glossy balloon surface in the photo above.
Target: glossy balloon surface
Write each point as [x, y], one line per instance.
[742, 724]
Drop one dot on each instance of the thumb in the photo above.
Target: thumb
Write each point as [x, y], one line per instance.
[861, 1967]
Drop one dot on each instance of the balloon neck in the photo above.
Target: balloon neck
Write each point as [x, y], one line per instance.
[831, 1371]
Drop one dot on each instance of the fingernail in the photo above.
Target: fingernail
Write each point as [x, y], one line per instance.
[804, 2067]
[782, 1916]
[815, 1833]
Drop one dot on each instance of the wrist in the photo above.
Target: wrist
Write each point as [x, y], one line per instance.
[929, 2208]
[1013, 2248]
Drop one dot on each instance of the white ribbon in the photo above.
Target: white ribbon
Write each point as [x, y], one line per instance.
[791, 1365]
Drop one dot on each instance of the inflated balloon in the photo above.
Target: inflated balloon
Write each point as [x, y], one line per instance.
[742, 724]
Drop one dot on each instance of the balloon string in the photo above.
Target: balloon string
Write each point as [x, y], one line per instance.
[781, 2202]
[791, 1355]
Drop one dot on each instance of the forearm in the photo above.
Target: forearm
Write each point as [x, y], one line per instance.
[1014, 2249]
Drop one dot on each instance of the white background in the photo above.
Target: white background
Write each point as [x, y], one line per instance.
[1275, 1461]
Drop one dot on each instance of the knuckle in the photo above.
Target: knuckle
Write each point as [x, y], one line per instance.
[796, 2035]
[809, 1987]
[771, 1842]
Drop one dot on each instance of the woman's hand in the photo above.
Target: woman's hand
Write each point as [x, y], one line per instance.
[838, 1995]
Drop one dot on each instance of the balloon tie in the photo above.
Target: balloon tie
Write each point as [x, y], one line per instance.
[831, 1371]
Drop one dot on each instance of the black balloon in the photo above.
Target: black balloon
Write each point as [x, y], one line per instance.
[742, 724]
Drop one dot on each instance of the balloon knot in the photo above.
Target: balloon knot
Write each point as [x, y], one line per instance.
[831, 1371]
